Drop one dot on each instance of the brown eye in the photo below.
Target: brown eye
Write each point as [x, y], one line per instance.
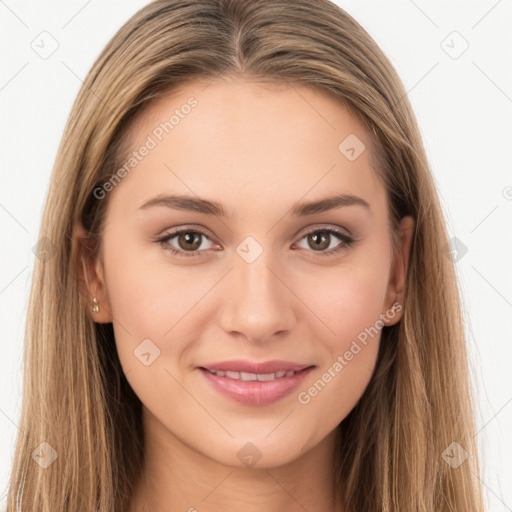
[185, 242]
[319, 241]
[189, 240]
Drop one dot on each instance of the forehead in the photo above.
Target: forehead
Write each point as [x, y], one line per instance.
[240, 140]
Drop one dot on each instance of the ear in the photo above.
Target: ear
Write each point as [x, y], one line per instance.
[396, 287]
[91, 274]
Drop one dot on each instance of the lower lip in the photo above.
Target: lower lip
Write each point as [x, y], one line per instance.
[256, 392]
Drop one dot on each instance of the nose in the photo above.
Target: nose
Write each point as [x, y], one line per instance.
[258, 302]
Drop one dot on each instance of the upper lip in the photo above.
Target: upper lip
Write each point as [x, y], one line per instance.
[241, 365]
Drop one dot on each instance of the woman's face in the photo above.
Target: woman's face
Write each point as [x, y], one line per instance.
[257, 274]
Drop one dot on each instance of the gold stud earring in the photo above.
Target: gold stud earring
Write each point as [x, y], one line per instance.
[95, 307]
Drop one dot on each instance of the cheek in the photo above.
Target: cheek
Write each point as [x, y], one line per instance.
[346, 300]
[152, 299]
[349, 305]
[147, 294]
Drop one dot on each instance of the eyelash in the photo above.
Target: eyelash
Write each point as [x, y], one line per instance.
[347, 241]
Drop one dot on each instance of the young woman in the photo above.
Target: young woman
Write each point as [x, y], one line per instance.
[246, 301]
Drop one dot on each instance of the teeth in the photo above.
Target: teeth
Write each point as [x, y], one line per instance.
[263, 377]
[245, 376]
[248, 376]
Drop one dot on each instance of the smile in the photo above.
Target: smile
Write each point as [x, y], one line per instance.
[245, 376]
[255, 389]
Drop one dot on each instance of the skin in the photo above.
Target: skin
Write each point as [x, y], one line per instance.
[257, 149]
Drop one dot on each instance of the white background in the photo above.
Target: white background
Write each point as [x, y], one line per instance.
[464, 109]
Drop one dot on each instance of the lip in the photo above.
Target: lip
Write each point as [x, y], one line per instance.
[256, 393]
[243, 365]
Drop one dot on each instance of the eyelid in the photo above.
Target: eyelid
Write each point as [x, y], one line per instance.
[319, 227]
[340, 232]
[205, 231]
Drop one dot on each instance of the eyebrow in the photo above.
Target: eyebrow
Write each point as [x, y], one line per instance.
[199, 205]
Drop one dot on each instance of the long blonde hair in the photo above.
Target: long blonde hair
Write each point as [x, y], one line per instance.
[390, 448]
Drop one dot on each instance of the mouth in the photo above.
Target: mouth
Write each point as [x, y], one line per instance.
[256, 388]
[244, 366]
[250, 377]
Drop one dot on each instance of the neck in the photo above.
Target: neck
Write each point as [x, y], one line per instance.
[177, 477]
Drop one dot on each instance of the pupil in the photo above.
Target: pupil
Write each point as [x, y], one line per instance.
[318, 239]
[189, 239]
